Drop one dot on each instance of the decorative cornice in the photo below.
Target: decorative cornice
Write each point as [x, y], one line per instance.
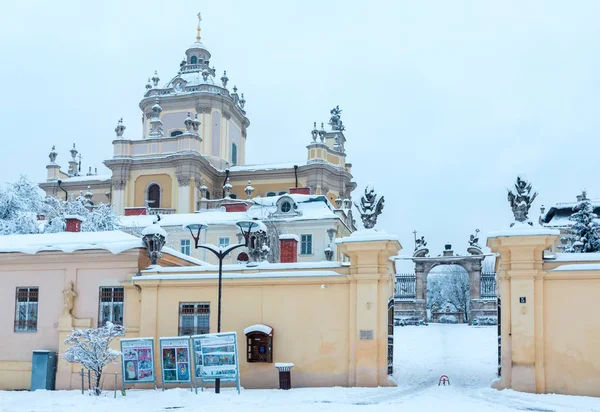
[183, 180]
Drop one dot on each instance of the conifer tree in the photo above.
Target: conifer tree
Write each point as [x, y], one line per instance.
[584, 235]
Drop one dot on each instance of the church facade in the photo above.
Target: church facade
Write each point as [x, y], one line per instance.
[193, 147]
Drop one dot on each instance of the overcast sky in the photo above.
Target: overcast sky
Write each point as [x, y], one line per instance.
[444, 102]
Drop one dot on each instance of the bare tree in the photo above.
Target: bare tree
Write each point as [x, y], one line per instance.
[449, 284]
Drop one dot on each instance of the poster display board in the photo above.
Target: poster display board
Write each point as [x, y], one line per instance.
[137, 361]
[175, 360]
[216, 356]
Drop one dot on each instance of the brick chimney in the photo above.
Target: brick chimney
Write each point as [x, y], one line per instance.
[73, 223]
[235, 207]
[299, 190]
[288, 248]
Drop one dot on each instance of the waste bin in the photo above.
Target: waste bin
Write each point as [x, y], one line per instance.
[285, 375]
[43, 370]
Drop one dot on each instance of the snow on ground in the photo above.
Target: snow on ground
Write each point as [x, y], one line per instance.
[422, 353]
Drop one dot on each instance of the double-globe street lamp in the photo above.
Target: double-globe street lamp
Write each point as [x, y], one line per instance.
[247, 227]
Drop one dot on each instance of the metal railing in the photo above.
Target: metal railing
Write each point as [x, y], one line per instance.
[405, 286]
[161, 211]
[25, 325]
[488, 285]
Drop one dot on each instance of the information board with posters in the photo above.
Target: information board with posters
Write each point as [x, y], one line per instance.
[215, 356]
[137, 361]
[175, 360]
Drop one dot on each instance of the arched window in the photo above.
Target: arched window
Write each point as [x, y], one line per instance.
[243, 258]
[154, 195]
[233, 154]
[194, 60]
[176, 133]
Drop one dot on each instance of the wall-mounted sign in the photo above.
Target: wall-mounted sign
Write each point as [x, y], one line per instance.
[175, 360]
[522, 299]
[215, 356]
[137, 360]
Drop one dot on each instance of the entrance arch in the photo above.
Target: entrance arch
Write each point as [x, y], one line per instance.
[479, 306]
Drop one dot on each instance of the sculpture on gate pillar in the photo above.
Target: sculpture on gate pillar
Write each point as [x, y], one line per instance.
[520, 199]
[69, 295]
[370, 207]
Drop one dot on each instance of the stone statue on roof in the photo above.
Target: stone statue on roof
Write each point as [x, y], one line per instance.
[335, 121]
[520, 198]
[370, 207]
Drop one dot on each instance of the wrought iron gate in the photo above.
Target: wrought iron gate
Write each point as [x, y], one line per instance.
[390, 354]
[499, 338]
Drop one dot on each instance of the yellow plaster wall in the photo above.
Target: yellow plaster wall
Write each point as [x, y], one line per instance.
[166, 183]
[15, 375]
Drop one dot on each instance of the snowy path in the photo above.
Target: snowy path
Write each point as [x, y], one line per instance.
[422, 354]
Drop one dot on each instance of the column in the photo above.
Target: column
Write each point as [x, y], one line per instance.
[184, 198]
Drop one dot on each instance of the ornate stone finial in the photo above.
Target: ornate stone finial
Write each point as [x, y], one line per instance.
[73, 152]
[196, 124]
[338, 202]
[334, 121]
[205, 74]
[249, 190]
[203, 189]
[188, 122]
[370, 207]
[234, 95]
[224, 79]
[53, 155]
[242, 101]
[69, 295]
[198, 30]
[155, 79]
[156, 129]
[235, 89]
[227, 188]
[520, 199]
[120, 128]
[315, 133]
[148, 85]
[322, 133]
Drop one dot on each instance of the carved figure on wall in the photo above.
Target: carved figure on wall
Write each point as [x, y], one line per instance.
[370, 207]
[520, 199]
[69, 295]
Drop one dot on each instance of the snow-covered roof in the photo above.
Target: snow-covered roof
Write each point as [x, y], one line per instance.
[558, 215]
[154, 229]
[192, 78]
[183, 256]
[267, 330]
[312, 207]
[253, 267]
[68, 242]
[100, 178]
[264, 166]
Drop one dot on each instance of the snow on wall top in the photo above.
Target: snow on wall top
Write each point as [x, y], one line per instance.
[523, 229]
[233, 275]
[252, 267]
[154, 229]
[367, 235]
[264, 166]
[267, 330]
[571, 268]
[68, 242]
[574, 257]
[289, 237]
[101, 178]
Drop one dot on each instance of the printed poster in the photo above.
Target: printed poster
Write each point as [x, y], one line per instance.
[175, 359]
[137, 360]
[215, 356]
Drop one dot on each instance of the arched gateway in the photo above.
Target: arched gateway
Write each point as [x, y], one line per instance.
[411, 290]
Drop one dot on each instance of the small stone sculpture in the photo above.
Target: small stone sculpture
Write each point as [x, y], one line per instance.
[69, 295]
[520, 199]
[370, 207]
[420, 243]
[474, 239]
[334, 121]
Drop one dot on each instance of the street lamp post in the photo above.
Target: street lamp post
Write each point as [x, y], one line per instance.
[247, 227]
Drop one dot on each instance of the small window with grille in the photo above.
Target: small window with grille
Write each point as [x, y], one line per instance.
[26, 311]
[111, 306]
[194, 318]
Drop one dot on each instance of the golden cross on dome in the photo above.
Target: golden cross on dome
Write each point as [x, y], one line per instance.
[199, 20]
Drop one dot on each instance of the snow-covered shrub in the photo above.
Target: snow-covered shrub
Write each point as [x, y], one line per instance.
[485, 321]
[91, 348]
[448, 319]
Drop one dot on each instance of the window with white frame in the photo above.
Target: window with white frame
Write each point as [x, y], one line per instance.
[306, 245]
[184, 246]
[26, 310]
[194, 318]
[111, 305]
[223, 243]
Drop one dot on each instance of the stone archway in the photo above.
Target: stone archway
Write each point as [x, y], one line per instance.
[472, 263]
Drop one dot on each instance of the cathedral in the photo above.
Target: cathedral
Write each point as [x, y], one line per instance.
[192, 152]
